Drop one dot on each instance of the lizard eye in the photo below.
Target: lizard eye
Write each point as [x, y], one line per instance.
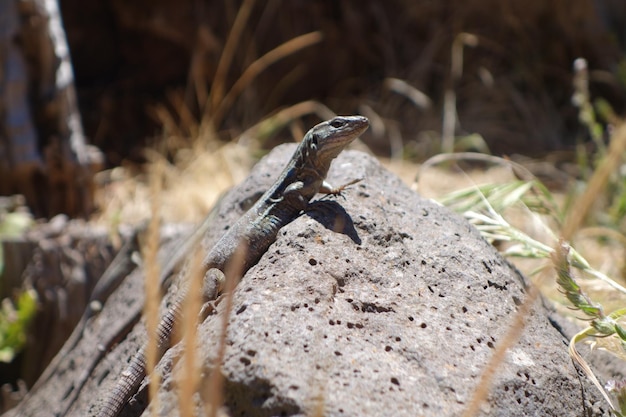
[337, 123]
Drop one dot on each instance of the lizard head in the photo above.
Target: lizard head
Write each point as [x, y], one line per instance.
[329, 138]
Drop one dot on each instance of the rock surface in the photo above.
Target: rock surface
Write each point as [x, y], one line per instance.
[397, 314]
[382, 303]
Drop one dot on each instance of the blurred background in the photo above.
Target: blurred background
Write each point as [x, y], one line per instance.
[514, 86]
[479, 75]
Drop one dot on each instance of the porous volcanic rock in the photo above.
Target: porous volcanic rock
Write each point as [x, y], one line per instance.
[382, 303]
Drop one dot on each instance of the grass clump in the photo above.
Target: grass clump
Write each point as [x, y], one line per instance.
[550, 236]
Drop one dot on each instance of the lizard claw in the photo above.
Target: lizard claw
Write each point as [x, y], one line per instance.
[339, 190]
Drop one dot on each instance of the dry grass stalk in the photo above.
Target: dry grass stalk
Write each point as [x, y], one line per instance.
[189, 377]
[596, 183]
[405, 89]
[450, 115]
[268, 126]
[258, 66]
[512, 335]
[212, 393]
[519, 170]
[187, 119]
[219, 80]
[152, 286]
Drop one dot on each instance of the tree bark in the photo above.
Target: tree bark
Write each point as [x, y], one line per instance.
[43, 152]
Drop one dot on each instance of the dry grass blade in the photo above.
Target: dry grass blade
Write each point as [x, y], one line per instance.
[585, 367]
[197, 83]
[152, 285]
[415, 96]
[582, 99]
[219, 80]
[449, 105]
[498, 226]
[213, 392]
[519, 170]
[187, 120]
[259, 66]
[512, 335]
[164, 118]
[272, 124]
[596, 183]
[189, 379]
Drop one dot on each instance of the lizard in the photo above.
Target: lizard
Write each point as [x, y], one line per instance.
[301, 179]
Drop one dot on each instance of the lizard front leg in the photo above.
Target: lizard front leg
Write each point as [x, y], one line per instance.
[328, 189]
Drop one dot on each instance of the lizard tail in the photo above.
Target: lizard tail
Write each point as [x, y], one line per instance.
[134, 374]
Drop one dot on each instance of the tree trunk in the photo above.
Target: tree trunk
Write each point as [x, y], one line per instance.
[43, 154]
